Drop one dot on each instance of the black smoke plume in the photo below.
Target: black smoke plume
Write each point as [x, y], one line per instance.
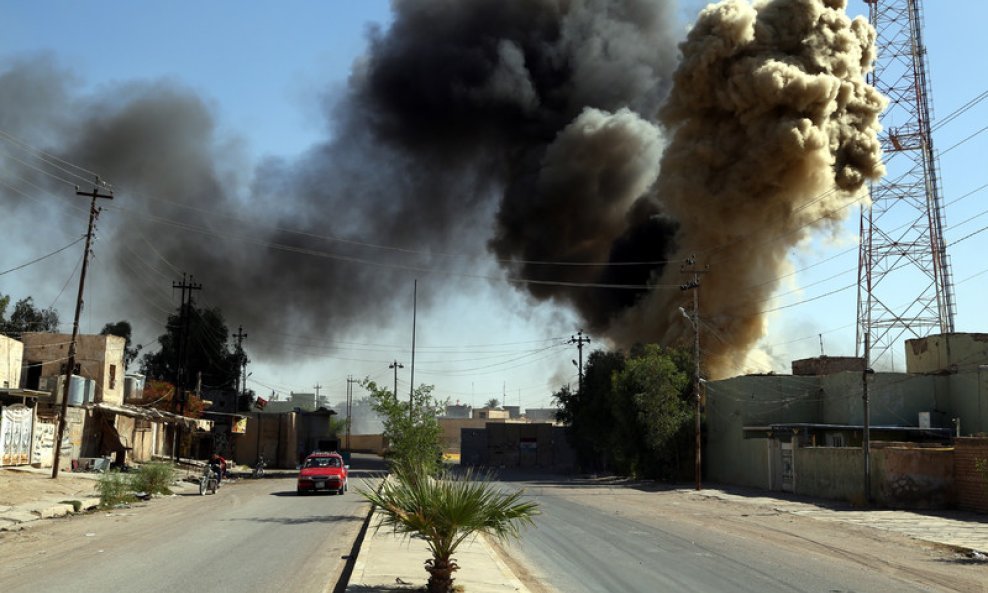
[525, 129]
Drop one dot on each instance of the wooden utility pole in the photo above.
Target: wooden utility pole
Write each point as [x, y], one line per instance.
[411, 387]
[579, 339]
[181, 351]
[241, 336]
[70, 365]
[396, 365]
[689, 267]
[349, 408]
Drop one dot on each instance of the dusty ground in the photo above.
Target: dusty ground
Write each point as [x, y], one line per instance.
[18, 486]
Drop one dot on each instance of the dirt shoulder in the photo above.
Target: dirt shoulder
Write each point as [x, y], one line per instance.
[19, 486]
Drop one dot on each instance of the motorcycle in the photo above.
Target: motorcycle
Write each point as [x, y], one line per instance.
[209, 482]
[258, 468]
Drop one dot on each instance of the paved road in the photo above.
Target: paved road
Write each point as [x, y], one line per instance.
[252, 536]
[593, 538]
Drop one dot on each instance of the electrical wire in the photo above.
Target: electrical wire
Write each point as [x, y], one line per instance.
[42, 258]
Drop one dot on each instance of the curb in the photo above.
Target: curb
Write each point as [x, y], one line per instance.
[353, 558]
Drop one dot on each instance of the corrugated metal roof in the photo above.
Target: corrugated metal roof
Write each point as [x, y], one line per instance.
[152, 414]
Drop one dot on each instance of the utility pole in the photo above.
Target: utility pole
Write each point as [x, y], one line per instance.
[866, 430]
[349, 402]
[70, 365]
[411, 387]
[579, 339]
[689, 267]
[181, 351]
[241, 336]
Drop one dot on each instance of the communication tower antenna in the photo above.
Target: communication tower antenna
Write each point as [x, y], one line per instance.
[904, 281]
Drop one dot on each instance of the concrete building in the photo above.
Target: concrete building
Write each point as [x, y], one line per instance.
[284, 439]
[303, 402]
[490, 414]
[11, 357]
[517, 444]
[458, 411]
[541, 414]
[100, 358]
[803, 432]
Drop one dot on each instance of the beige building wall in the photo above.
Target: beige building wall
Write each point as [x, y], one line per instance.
[946, 352]
[11, 359]
[100, 358]
[451, 430]
[491, 414]
[368, 443]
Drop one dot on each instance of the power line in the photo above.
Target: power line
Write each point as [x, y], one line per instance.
[43, 257]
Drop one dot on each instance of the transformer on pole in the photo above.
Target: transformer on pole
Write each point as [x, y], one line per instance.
[904, 281]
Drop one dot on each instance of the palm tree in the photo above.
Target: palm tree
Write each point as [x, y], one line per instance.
[444, 511]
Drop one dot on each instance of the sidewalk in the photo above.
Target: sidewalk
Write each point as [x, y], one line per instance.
[958, 529]
[388, 563]
[36, 496]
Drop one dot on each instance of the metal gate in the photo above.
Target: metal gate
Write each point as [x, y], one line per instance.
[16, 423]
[787, 467]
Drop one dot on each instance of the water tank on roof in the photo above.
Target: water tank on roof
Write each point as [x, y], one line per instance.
[89, 392]
[77, 390]
[133, 386]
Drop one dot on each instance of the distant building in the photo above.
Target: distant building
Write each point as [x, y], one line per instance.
[490, 414]
[827, 365]
[302, 402]
[541, 414]
[458, 411]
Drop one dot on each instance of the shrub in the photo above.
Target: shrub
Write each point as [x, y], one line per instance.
[447, 509]
[153, 478]
[114, 489]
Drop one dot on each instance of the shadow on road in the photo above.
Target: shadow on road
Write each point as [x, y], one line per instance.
[302, 520]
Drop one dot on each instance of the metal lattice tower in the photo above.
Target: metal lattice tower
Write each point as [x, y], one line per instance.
[904, 281]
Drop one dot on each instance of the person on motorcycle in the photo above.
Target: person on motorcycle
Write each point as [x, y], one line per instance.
[218, 464]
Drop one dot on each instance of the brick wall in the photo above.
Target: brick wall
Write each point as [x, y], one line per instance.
[971, 485]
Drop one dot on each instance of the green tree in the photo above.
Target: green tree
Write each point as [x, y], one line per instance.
[445, 511]
[123, 330]
[593, 428]
[205, 350]
[633, 414]
[652, 392]
[412, 435]
[493, 403]
[26, 318]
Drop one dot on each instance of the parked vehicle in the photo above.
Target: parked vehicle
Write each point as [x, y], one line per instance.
[323, 472]
[209, 482]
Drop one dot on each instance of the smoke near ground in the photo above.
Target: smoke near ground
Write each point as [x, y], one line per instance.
[773, 134]
[571, 139]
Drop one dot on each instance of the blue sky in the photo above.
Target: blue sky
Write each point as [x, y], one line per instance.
[264, 70]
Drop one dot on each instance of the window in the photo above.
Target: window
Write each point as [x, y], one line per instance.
[113, 376]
